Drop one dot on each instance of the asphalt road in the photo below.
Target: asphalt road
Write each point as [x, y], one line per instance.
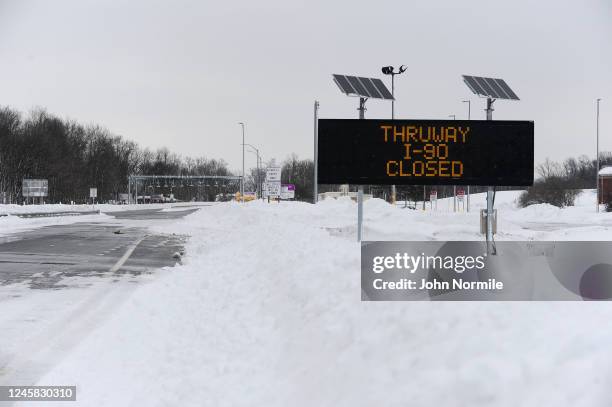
[43, 257]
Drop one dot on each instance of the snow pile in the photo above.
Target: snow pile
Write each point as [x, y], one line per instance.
[266, 310]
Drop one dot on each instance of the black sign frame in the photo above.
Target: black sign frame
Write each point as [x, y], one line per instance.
[425, 152]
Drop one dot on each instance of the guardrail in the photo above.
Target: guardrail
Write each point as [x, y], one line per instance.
[54, 214]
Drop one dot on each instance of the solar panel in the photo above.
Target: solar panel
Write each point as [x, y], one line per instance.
[361, 90]
[487, 87]
[370, 88]
[490, 87]
[473, 85]
[493, 83]
[363, 87]
[502, 84]
[382, 88]
[343, 84]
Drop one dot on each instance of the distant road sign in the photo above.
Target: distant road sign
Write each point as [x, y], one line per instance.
[425, 152]
[273, 174]
[287, 191]
[460, 194]
[35, 188]
[93, 192]
[272, 189]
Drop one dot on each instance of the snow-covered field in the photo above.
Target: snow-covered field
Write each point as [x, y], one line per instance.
[11, 223]
[266, 310]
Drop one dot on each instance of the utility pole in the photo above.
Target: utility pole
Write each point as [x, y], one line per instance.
[597, 159]
[242, 183]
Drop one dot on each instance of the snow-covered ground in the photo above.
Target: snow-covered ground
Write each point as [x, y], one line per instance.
[266, 310]
[11, 223]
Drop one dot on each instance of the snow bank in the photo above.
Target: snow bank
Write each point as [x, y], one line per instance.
[266, 310]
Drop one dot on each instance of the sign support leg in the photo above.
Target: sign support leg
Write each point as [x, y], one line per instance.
[316, 151]
[490, 244]
[468, 198]
[362, 110]
[359, 213]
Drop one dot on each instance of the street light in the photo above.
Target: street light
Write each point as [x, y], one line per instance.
[597, 160]
[389, 70]
[242, 183]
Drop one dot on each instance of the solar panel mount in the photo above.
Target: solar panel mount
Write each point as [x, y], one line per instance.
[490, 87]
[371, 88]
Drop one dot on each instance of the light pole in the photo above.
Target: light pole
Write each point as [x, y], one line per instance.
[597, 160]
[242, 183]
[453, 116]
[257, 179]
[389, 70]
[469, 102]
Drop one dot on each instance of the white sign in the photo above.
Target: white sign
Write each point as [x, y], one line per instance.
[287, 191]
[272, 189]
[460, 194]
[433, 195]
[93, 192]
[273, 174]
[35, 187]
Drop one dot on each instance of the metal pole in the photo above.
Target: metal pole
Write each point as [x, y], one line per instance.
[258, 175]
[454, 198]
[362, 108]
[424, 195]
[490, 247]
[315, 192]
[393, 190]
[393, 95]
[129, 189]
[242, 181]
[360, 187]
[597, 160]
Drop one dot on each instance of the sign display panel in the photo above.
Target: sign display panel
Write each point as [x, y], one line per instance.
[93, 192]
[273, 174]
[426, 152]
[272, 189]
[287, 191]
[32, 188]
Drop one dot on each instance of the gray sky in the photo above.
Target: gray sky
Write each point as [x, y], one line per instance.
[181, 74]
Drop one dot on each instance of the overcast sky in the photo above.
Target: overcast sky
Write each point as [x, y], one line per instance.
[181, 74]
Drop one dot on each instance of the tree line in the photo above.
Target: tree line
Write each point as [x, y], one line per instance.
[74, 157]
[559, 183]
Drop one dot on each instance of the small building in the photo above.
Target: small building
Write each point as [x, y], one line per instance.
[604, 184]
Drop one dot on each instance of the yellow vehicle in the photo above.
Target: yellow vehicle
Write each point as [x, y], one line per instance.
[248, 196]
